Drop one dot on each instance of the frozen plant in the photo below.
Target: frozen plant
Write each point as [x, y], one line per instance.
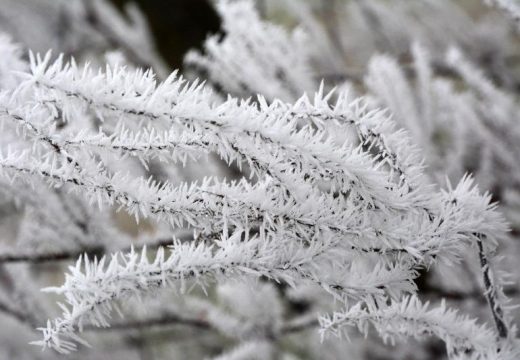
[318, 212]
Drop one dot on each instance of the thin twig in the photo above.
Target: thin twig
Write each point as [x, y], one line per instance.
[496, 309]
[16, 314]
[196, 322]
[95, 249]
[161, 321]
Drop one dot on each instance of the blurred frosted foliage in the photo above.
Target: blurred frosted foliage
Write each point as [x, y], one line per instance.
[299, 191]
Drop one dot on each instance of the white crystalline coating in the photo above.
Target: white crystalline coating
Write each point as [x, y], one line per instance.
[411, 318]
[254, 57]
[388, 213]
[356, 220]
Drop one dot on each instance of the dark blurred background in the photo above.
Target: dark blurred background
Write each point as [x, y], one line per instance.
[177, 25]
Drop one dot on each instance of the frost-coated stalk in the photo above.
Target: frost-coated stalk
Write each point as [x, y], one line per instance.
[91, 293]
[312, 153]
[491, 293]
[357, 219]
[409, 317]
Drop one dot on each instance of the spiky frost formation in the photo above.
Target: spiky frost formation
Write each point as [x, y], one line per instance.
[357, 219]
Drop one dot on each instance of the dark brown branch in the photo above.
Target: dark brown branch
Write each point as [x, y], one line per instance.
[162, 321]
[462, 295]
[496, 309]
[16, 314]
[48, 257]
[293, 327]
[97, 250]
[199, 323]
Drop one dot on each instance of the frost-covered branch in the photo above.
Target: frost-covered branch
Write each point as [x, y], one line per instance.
[254, 131]
[409, 317]
[491, 293]
[334, 200]
[288, 226]
[91, 293]
[254, 56]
